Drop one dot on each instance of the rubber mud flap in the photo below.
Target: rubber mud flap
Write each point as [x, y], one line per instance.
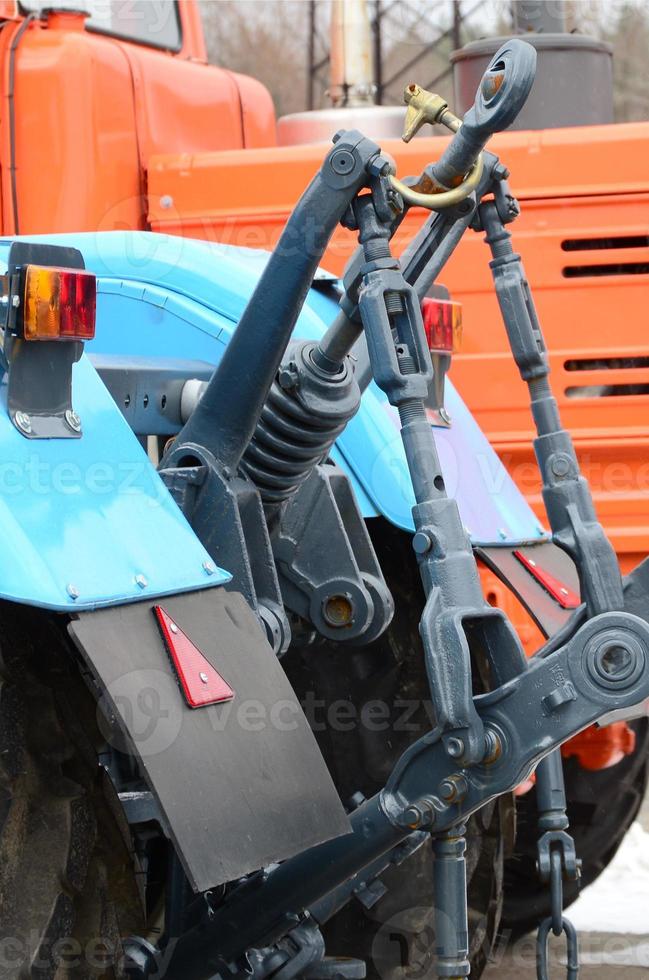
[241, 784]
[547, 613]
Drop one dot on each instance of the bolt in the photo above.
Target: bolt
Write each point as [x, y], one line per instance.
[380, 166]
[336, 136]
[15, 302]
[166, 201]
[455, 747]
[289, 376]
[342, 162]
[355, 800]
[500, 171]
[564, 591]
[493, 747]
[413, 816]
[560, 464]
[502, 533]
[540, 530]
[23, 421]
[141, 581]
[445, 417]
[208, 567]
[72, 590]
[203, 676]
[454, 788]
[422, 542]
[73, 420]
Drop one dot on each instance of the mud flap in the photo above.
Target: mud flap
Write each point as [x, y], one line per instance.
[547, 613]
[240, 784]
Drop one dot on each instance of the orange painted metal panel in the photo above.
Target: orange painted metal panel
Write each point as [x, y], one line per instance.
[590, 183]
[92, 110]
[76, 146]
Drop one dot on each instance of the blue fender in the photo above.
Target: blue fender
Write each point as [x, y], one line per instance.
[170, 297]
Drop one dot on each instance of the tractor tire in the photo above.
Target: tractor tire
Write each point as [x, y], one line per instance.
[602, 805]
[67, 884]
[395, 935]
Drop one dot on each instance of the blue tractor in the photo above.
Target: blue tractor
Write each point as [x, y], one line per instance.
[257, 717]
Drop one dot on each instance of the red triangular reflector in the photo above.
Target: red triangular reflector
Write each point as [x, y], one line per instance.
[557, 589]
[200, 682]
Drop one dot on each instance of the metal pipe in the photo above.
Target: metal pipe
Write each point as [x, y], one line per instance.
[539, 16]
[351, 70]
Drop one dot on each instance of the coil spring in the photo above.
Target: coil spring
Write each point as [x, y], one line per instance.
[288, 442]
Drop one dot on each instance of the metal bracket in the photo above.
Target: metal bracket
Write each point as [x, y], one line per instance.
[328, 571]
[39, 396]
[227, 515]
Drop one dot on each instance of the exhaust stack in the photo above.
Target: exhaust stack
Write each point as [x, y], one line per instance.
[351, 67]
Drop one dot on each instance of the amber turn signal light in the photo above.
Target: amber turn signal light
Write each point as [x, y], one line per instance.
[58, 304]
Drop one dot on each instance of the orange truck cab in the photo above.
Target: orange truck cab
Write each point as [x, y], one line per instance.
[90, 100]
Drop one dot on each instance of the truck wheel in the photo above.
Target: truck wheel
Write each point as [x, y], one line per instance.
[395, 935]
[602, 805]
[67, 888]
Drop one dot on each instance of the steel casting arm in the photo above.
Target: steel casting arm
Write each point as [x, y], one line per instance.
[224, 420]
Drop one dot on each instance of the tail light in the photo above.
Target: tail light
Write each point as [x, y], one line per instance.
[442, 324]
[57, 304]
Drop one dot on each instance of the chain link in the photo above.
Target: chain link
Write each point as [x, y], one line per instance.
[556, 859]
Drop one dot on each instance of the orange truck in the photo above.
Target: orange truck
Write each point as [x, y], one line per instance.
[114, 120]
[136, 131]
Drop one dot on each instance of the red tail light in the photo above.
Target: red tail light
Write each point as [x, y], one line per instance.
[58, 304]
[442, 324]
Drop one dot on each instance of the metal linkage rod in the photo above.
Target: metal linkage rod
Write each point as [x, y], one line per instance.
[401, 366]
[566, 494]
[451, 918]
[421, 262]
[224, 420]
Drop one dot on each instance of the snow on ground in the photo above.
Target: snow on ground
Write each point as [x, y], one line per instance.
[618, 901]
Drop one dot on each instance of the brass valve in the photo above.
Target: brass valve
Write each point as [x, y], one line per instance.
[428, 107]
[425, 107]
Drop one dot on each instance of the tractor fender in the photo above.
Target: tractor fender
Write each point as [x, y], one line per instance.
[69, 507]
[173, 298]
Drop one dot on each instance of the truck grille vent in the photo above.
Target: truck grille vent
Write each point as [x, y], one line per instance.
[606, 363]
[618, 241]
[628, 268]
[616, 269]
[618, 387]
[606, 391]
